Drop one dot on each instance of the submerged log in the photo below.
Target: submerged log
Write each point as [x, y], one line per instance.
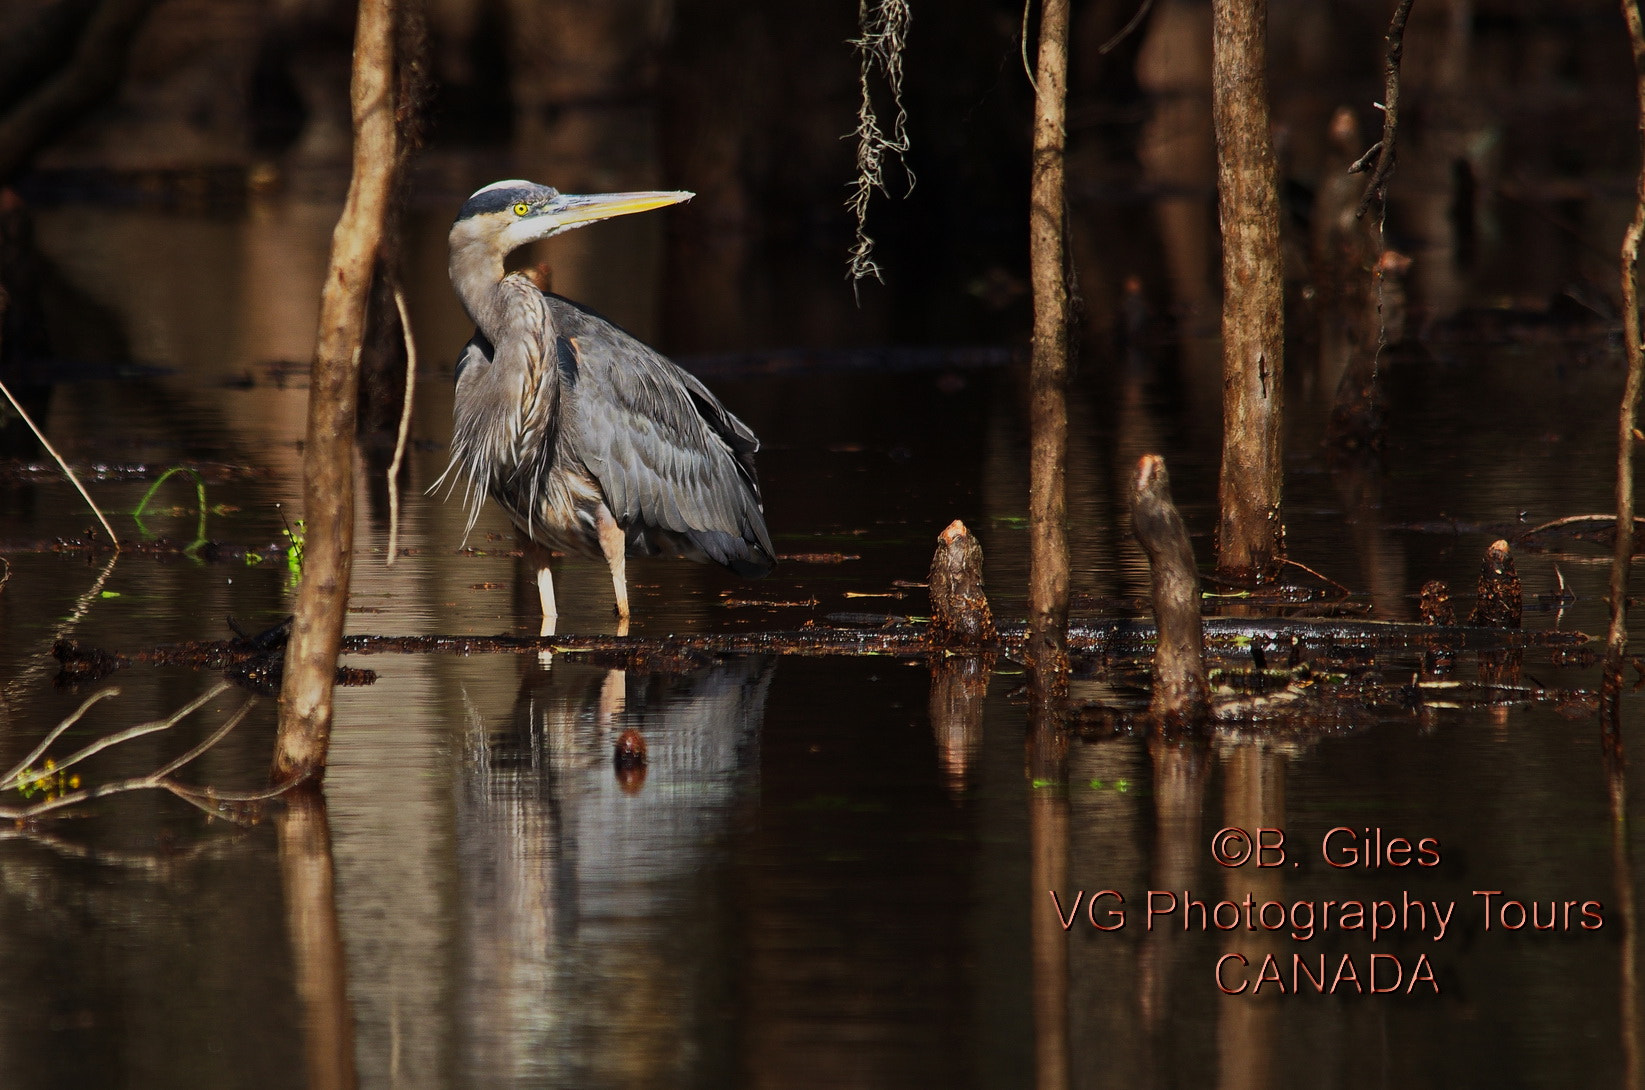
[1181, 695]
[960, 616]
[1230, 637]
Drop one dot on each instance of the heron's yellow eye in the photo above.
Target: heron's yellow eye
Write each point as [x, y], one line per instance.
[521, 209]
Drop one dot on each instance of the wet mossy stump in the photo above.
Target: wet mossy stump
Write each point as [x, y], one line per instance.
[1181, 697]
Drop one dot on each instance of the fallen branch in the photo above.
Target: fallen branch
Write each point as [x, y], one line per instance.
[160, 779]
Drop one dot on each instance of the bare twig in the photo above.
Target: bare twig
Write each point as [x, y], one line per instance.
[1321, 576]
[1125, 31]
[1572, 520]
[10, 778]
[405, 430]
[156, 780]
[23, 772]
[51, 450]
[1377, 188]
[1027, 67]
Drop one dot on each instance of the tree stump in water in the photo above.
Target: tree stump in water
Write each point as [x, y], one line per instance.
[960, 616]
[1435, 607]
[1181, 695]
[1501, 599]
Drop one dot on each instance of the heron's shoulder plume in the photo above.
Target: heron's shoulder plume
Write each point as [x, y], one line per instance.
[500, 195]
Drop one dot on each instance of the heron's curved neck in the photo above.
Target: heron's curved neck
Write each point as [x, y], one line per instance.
[477, 275]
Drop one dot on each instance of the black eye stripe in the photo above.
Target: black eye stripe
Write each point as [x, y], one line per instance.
[502, 200]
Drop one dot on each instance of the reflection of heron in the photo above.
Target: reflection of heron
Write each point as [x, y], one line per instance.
[593, 443]
[592, 930]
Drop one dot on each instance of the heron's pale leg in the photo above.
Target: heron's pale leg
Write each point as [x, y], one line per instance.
[614, 544]
[545, 591]
[538, 556]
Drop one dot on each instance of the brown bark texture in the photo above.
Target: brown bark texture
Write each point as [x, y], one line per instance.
[328, 457]
[1048, 368]
[1616, 641]
[1250, 535]
[960, 616]
[1181, 694]
[93, 72]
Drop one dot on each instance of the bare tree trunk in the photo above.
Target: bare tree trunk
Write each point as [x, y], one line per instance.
[1250, 535]
[1048, 369]
[1616, 641]
[328, 458]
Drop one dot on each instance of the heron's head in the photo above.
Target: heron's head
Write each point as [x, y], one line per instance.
[504, 216]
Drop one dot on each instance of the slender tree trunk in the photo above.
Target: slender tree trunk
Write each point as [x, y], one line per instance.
[1250, 535]
[328, 457]
[1616, 642]
[1048, 369]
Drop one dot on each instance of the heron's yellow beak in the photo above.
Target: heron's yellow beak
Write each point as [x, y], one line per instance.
[574, 210]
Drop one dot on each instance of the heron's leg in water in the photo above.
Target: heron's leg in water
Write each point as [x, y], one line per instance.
[538, 556]
[614, 544]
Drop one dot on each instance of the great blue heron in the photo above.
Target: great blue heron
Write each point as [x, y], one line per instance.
[593, 443]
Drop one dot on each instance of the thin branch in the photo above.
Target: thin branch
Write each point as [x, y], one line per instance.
[1028, 68]
[1571, 520]
[1125, 31]
[156, 780]
[51, 450]
[125, 735]
[1321, 576]
[8, 780]
[1377, 188]
[216, 736]
[1616, 641]
[405, 429]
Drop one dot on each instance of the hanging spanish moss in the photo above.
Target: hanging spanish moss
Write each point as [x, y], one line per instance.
[884, 26]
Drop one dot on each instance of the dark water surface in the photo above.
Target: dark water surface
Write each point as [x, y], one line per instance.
[815, 882]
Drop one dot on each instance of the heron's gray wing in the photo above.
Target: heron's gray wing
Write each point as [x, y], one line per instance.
[669, 457]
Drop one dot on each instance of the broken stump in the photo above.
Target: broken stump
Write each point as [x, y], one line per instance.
[1181, 694]
[960, 616]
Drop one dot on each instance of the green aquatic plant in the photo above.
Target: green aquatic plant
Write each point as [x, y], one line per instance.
[200, 499]
[296, 536]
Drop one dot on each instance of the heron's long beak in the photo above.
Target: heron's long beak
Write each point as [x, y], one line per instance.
[574, 210]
